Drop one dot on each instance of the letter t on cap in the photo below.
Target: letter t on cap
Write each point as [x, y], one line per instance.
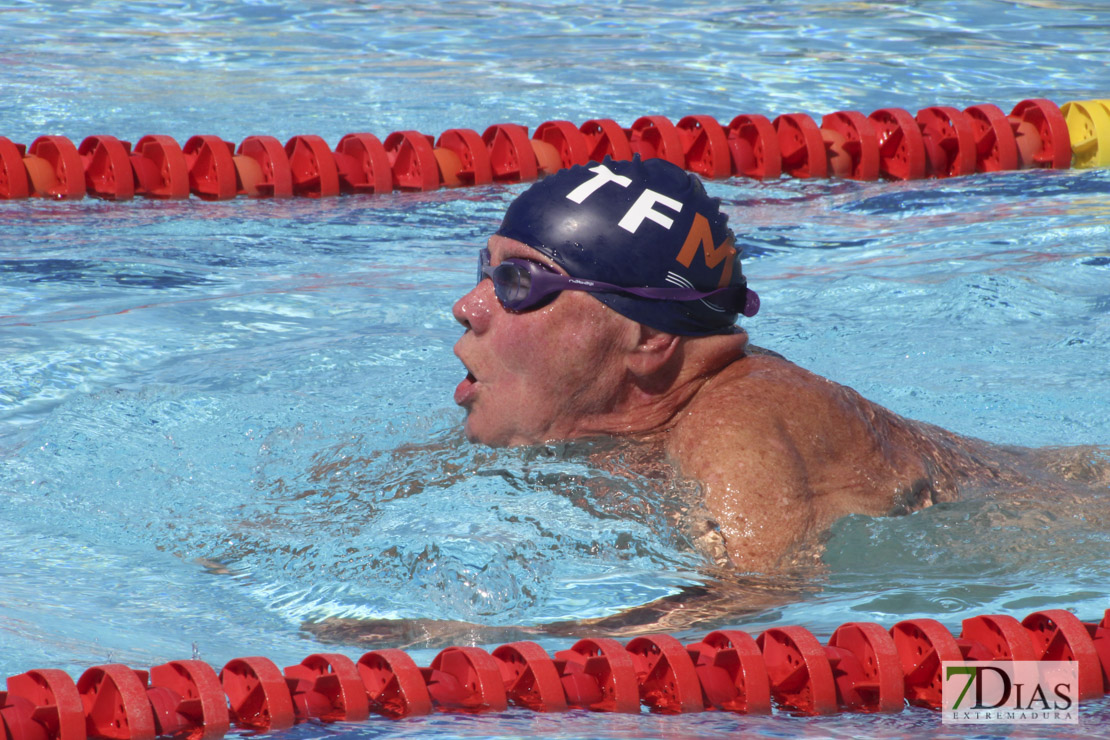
[603, 175]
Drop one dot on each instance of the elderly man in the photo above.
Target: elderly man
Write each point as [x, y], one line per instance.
[606, 306]
[610, 307]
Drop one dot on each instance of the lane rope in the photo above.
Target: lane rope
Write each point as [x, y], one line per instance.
[864, 667]
[891, 143]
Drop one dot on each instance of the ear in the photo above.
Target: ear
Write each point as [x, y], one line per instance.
[652, 352]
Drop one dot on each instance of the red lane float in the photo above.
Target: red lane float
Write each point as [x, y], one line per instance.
[160, 168]
[212, 174]
[605, 138]
[14, 182]
[1100, 634]
[107, 164]
[801, 145]
[272, 175]
[363, 165]
[327, 686]
[655, 137]
[570, 143]
[732, 672]
[923, 646]
[705, 147]
[1059, 635]
[412, 160]
[754, 144]
[530, 677]
[600, 675]
[1042, 134]
[800, 673]
[43, 704]
[115, 703]
[315, 172]
[55, 168]
[466, 679]
[511, 153]
[394, 684]
[188, 700]
[995, 145]
[474, 166]
[867, 668]
[1002, 636]
[257, 694]
[901, 145]
[665, 671]
[852, 145]
[949, 141]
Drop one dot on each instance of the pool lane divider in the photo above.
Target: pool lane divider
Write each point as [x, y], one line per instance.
[863, 668]
[891, 143]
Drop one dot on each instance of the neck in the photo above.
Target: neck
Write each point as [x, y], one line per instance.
[650, 405]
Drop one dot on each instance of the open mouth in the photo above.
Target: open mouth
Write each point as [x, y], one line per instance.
[469, 373]
[466, 389]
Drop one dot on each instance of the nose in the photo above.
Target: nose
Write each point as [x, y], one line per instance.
[473, 309]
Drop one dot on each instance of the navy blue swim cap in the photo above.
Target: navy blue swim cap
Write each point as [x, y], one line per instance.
[638, 223]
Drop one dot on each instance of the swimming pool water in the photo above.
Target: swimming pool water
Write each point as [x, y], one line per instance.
[219, 420]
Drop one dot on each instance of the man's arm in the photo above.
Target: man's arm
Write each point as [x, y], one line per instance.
[754, 487]
[714, 605]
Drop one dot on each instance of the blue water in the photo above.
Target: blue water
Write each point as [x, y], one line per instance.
[220, 420]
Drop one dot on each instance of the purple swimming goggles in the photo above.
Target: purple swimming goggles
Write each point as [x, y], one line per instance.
[523, 284]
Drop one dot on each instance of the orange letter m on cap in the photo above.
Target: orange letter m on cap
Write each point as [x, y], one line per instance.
[701, 237]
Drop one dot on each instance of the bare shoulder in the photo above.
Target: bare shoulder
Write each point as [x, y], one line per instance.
[752, 396]
[737, 439]
[745, 413]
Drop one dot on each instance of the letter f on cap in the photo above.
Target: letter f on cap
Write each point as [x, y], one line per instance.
[642, 209]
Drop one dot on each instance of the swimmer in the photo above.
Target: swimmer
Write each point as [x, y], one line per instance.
[606, 305]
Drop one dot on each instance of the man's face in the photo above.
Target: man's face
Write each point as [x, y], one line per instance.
[538, 375]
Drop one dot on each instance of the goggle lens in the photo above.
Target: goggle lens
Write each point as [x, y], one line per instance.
[512, 284]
